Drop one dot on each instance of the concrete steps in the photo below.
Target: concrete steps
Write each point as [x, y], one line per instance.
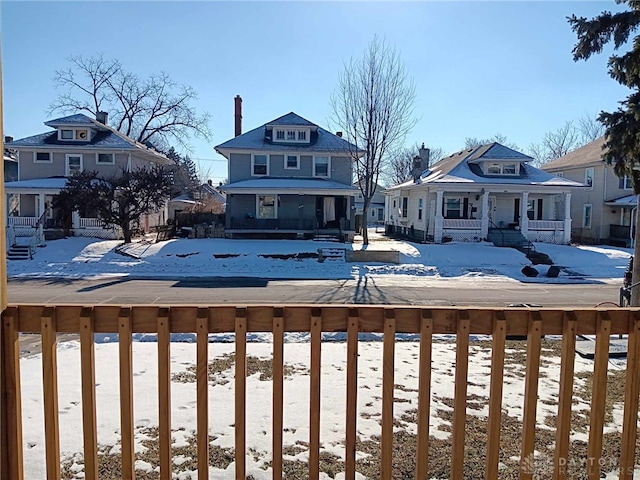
[331, 255]
[19, 252]
[506, 238]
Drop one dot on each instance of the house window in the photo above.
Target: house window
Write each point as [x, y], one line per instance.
[586, 216]
[279, 134]
[266, 206]
[588, 177]
[73, 164]
[291, 162]
[531, 209]
[321, 167]
[405, 206]
[82, 135]
[259, 165]
[105, 159]
[453, 208]
[626, 183]
[559, 174]
[419, 209]
[380, 214]
[373, 213]
[42, 157]
[302, 136]
[291, 134]
[499, 168]
[66, 134]
[509, 169]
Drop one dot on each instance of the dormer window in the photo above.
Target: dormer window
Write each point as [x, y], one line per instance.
[79, 134]
[501, 168]
[291, 134]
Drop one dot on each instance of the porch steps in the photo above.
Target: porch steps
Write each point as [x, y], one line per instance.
[501, 237]
[332, 254]
[19, 252]
[325, 238]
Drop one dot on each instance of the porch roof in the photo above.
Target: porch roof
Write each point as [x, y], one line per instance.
[315, 186]
[628, 201]
[51, 183]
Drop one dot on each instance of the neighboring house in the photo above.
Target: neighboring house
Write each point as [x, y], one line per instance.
[10, 162]
[288, 178]
[605, 210]
[76, 143]
[376, 206]
[479, 192]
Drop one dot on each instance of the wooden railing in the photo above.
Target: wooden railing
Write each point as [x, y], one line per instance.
[427, 322]
[90, 223]
[22, 221]
[546, 225]
[462, 223]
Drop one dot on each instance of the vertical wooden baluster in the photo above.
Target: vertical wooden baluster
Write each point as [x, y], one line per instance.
[202, 379]
[599, 395]
[241, 392]
[50, 383]
[352, 394]
[388, 382]
[314, 394]
[531, 395]
[460, 395]
[631, 392]
[126, 393]
[495, 394]
[565, 396]
[278, 391]
[164, 392]
[424, 393]
[88, 369]
[11, 402]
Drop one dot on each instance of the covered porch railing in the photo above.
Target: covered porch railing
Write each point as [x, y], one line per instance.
[48, 320]
[309, 224]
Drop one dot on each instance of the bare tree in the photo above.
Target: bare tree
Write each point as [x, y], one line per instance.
[373, 105]
[154, 110]
[572, 135]
[473, 142]
[399, 169]
[590, 128]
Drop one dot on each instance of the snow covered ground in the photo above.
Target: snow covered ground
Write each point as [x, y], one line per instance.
[85, 257]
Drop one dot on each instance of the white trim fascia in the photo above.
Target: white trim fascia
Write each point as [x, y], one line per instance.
[31, 191]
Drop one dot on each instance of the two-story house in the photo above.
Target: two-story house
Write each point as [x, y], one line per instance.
[605, 210]
[288, 178]
[489, 192]
[46, 160]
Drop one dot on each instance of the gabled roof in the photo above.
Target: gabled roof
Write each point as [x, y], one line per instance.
[589, 154]
[321, 141]
[106, 137]
[461, 167]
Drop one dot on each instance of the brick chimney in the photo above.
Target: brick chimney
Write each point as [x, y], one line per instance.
[339, 134]
[102, 117]
[238, 115]
[424, 156]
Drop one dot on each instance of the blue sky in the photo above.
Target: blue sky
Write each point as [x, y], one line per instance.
[480, 68]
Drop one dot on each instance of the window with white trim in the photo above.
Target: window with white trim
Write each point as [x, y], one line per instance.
[502, 168]
[302, 135]
[559, 174]
[259, 165]
[291, 162]
[588, 177]
[42, 157]
[291, 134]
[66, 134]
[586, 216]
[405, 206]
[73, 164]
[321, 166]
[279, 134]
[105, 159]
[82, 135]
[266, 207]
[453, 208]
[626, 183]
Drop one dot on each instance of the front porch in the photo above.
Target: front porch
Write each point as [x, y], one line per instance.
[54, 228]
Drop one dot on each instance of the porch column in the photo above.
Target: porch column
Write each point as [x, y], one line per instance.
[524, 219]
[437, 234]
[75, 219]
[485, 215]
[566, 238]
[40, 204]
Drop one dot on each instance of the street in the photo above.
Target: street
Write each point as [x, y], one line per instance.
[383, 290]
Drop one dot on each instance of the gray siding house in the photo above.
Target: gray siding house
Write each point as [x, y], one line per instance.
[46, 160]
[480, 193]
[605, 210]
[288, 178]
